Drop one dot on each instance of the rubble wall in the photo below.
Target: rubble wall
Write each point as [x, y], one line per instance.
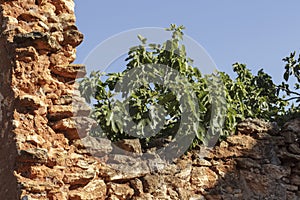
[41, 151]
[8, 151]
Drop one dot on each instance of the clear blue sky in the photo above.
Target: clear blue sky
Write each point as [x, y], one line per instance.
[258, 33]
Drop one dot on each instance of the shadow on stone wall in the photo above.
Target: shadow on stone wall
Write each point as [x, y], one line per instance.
[8, 151]
[260, 162]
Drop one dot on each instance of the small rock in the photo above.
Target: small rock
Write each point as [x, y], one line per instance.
[120, 191]
[28, 103]
[289, 156]
[247, 163]
[95, 145]
[201, 162]
[72, 37]
[252, 126]
[124, 171]
[80, 177]
[289, 137]
[276, 172]
[203, 177]
[293, 126]
[129, 145]
[40, 40]
[35, 139]
[63, 100]
[137, 185]
[151, 183]
[291, 187]
[295, 179]
[197, 197]
[58, 112]
[37, 155]
[70, 71]
[96, 189]
[294, 148]
[224, 144]
[74, 127]
[156, 164]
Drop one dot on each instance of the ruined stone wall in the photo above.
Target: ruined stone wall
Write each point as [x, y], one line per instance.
[38, 40]
[42, 155]
[7, 143]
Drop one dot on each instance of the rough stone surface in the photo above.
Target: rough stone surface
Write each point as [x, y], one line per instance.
[46, 151]
[133, 146]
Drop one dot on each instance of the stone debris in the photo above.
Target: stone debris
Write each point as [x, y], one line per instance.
[225, 174]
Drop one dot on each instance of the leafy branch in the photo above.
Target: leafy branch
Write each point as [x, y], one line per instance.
[246, 95]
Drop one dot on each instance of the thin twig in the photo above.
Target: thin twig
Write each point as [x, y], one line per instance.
[289, 91]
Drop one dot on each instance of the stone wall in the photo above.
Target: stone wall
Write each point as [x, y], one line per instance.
[43, 154]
